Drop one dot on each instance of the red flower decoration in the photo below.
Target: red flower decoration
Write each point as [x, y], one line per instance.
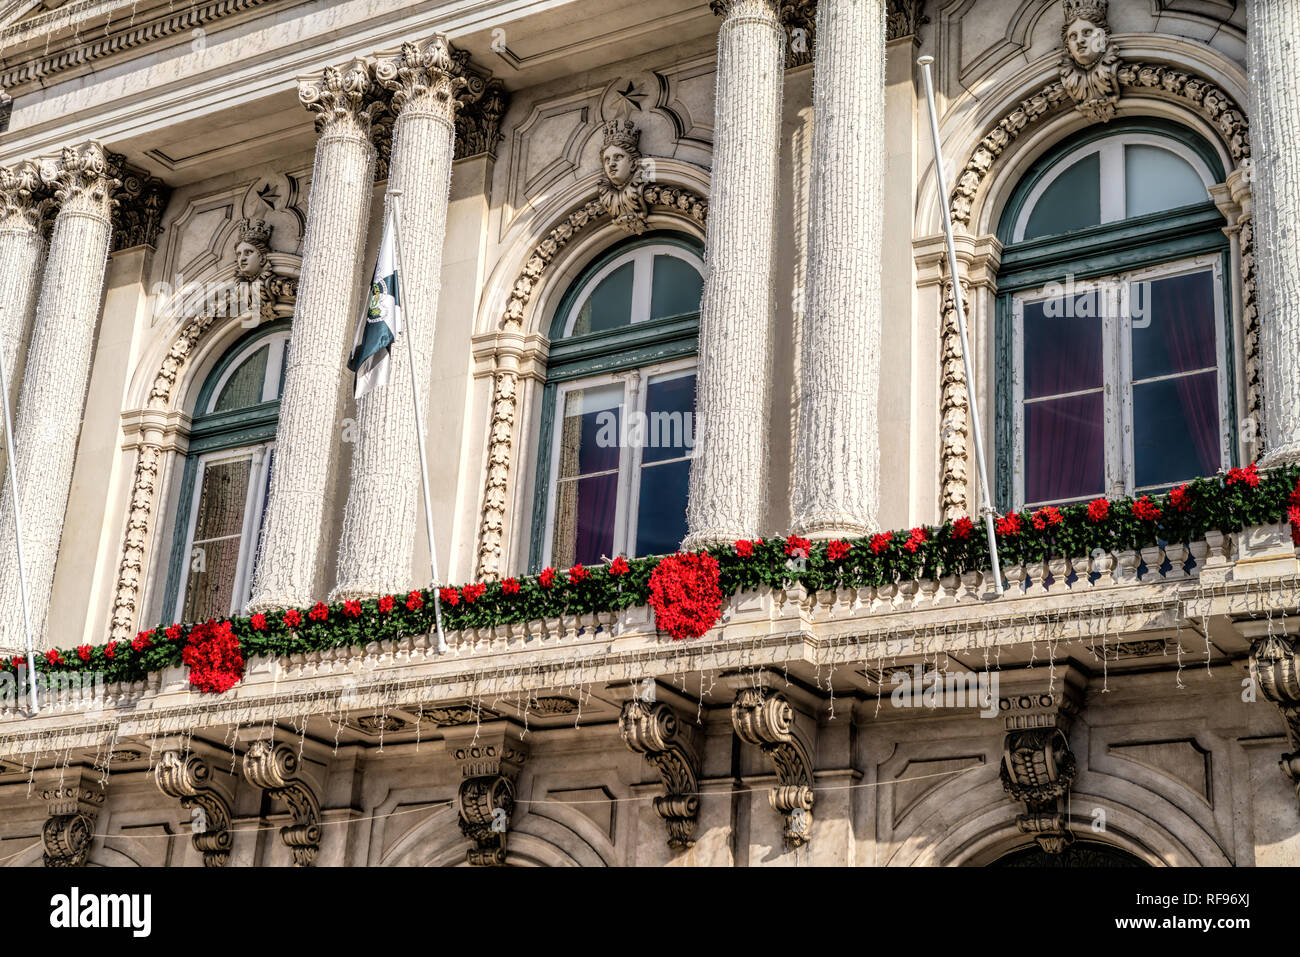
[473, 593]
[837, 549]
[175, 633]
[881, 542]
[258, 622]
[962, 527]
[547, 577]
[1180, 498]
[1146, 509]
[142, 640]
[744, 548]
[83, 652]
[53, 657]
[352, 609]
[797, 547]
[1098, 509]
[215, 661]
[292, 618]
[915, 538]
[1047, 515]
[510, 586]
[619, 566]
[414, 600]
[685, 594]
[449, 596]
[110, 650]
[319, 611]
[386, 604]
[577, 573]
[1249, 475]
[1294, 498]
[1009, 524]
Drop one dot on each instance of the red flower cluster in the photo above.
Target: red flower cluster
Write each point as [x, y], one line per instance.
[577, 573]
[744, 548]
[386, 603]
[414, 600]
[510, 586]
[962, 527]
[473, 593]
[110, 650]
[449, 596]
[837, 549]
[175, 633]
[547, 578]
[1098, 509]
[619, 566]
[797, 547]
[685, 594]
[1009, 524]
[1248, 475]
[215, 661]
[1293, 516]
[1146, 509]
[142, 640]
[1047, 515]
[83, 652]
[881, 542]
[258, 622]
[292, 618]
[53, 656]
[915, 539]
[319, 611]
[1180, 498]
[352, 609]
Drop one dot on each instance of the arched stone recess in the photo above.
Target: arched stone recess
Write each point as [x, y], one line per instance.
[511, 347]
[989, 147]
[198, 323]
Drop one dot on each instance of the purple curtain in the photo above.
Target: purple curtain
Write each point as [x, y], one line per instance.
[597, 503]
[1188, 325]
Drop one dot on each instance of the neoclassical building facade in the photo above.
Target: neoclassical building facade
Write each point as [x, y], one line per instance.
[674, 278]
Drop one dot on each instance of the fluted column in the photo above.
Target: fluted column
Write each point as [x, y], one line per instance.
[23, 198]
[54, 381]
[836, 485]
[1272, 40]
[728, 482]
[308, 434]
[380, 520]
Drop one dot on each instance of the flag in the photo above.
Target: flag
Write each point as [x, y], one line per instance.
[382, 323]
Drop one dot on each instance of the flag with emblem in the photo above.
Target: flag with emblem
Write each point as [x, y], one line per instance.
[382, 323]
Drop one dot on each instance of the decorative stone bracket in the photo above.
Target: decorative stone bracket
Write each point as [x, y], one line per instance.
[275, 769]
[189, 778]
[1038, 766]
[654, 729]
[766, 718]
[1275, 667]
[73, 809]
[490, 759]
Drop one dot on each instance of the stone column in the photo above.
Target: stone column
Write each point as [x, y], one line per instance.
[381, 519]
[1272, 32]
[309, 432]
[22, 251]
[54, 382]
[728, 483]
[836, 487]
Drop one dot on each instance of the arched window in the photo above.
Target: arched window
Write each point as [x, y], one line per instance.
[227, 473]
[619, 406]
[1114, 336]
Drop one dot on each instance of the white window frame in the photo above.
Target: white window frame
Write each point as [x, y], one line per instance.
[277, 345]
[1117, 367]
[630, 456]
[642, 279]
[1114, 198]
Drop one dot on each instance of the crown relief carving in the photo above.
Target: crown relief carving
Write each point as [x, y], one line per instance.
[1091, 60]
[625, 176]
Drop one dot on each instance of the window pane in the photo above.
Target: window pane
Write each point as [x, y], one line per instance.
[1173, 324]
[584, 520]
[1156, 179]
[670, 418]
[213, 559]
[222, 499]
[1176, 429]
[1073, 201]
[211, 581]
[661, 512]
[591, 431]
[609, 305]
[676, 290]
[1064, 448]
[1063, 346]
[244, 388]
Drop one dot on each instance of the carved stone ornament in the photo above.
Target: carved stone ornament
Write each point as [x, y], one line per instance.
[622, 187]
[342, 95]
[799, 17]
[1038, 766]
[140, 200]
[655, 730]
[189, 779]
[486, 797]
[1091, 60]
[903, 18]
[1275, 667]
[73, 808]
[274, 768]
[765, 718]
[82, 179]
[25, 198]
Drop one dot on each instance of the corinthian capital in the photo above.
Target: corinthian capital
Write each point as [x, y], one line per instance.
[430, 73]
[23, 196]
[82, 178]
[340, 95]
[727, 8]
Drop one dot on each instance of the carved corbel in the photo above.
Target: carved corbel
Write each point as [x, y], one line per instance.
[655, 730]
[766, 718]
[1038, 766]
[274, 768]
[490, 761]
[1275, 668]
[189, 778]
[139, 203]
[73, 809]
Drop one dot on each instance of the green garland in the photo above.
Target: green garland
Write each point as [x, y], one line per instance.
[1227, 503]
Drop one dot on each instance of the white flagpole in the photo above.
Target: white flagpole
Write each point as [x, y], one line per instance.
[987, 507]
[408, 314]
[18, 534]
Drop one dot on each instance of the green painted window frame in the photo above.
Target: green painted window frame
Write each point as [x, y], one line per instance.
[217, 432]
[578, 357]
[1098, 251]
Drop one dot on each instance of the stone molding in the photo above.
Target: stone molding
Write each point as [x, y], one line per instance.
[1275, 669]
[275, 769]
[490, 759]
[655, 730]
[189, 778]
[766, 718]
[73, 808]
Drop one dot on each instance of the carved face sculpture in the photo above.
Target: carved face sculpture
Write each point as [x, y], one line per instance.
[1086, 42]
[249, 260]
[618, 164]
